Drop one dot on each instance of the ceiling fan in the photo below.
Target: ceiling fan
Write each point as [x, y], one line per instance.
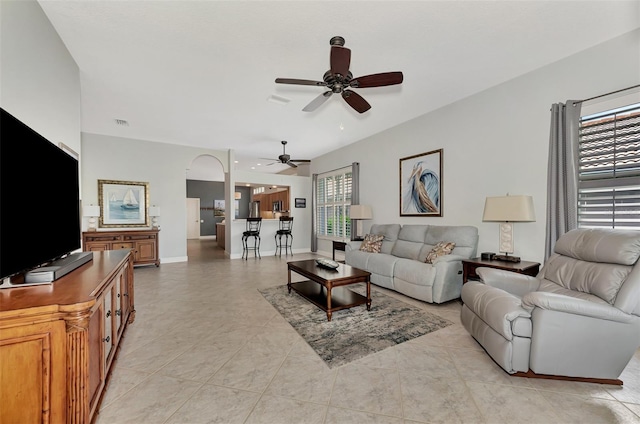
[339, 80]
[285, 158]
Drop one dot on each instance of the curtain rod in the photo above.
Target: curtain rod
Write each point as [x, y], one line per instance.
[606, 94]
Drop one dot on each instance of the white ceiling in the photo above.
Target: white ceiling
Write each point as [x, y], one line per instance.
[199, 73]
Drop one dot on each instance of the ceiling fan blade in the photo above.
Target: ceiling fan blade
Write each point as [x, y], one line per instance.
[300, 82]
[377, 80]
[315, 103]
[340, 60]
[356, 101]
[291, 164]
[300, 160]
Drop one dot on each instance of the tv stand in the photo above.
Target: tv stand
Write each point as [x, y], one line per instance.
[58, 342]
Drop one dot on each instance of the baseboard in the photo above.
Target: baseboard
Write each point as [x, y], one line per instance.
[174, 259]
[531, 374]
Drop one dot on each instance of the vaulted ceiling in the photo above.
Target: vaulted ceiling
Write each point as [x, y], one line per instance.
[201, 73]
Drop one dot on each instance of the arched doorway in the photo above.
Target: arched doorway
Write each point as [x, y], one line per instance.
[205, 206]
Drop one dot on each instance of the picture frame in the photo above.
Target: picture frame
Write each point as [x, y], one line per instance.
[123, 204]
[421, 184]
[218, 207]
[300, 202]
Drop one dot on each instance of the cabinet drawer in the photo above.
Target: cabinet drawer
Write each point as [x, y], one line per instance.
[96, 247]
[121, 245]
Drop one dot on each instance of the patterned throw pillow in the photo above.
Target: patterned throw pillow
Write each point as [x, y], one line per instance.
[372, 243]
[440, 249]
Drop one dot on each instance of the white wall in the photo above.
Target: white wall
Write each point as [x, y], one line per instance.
[163, 166]
[39, 80]
[495, 142]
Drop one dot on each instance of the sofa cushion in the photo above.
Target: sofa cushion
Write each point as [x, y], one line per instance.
[381, 264]
[372, 243]
[441, 248]
[415, 272]
[464, 236]
[390, 233]
[357, 258]
[410, 241]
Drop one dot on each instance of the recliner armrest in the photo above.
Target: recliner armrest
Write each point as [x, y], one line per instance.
[572, 305]
[511, 282]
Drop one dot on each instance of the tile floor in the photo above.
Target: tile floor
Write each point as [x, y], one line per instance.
[207, 348]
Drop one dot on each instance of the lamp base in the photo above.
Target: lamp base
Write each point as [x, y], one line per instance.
[506, 258]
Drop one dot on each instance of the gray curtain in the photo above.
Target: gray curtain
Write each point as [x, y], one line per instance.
[314, 213]
[562, 172]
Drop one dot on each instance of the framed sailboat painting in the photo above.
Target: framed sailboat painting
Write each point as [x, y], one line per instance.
[123, 203]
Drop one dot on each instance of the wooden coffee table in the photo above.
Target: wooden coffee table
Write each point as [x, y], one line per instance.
[325, 287]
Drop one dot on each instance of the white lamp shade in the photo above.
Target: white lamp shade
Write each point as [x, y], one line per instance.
[509, 209]
[154, 210]
[360, 212]
[91, 210]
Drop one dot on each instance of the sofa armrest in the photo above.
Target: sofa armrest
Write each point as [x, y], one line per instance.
[352, 245]
[448, 258]
[511, 282]
[572, 305]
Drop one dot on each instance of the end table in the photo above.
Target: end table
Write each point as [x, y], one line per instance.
[469, 267]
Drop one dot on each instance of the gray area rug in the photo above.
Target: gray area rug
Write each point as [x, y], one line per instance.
[355, 332]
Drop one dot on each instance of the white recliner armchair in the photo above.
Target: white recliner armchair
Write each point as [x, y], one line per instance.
[578, 318]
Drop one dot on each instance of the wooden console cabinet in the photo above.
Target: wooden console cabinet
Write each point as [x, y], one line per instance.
[58, 341]
[144, 243]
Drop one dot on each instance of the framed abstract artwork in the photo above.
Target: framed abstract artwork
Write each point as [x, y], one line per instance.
[421, 184]
[123, 203]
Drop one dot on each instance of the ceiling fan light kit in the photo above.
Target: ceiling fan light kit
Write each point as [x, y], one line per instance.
[338, 79]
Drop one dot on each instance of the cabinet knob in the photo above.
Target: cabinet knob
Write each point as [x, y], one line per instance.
[118, 295]
[126, 295]
[118, 312]
[107, 339]
[108, 314]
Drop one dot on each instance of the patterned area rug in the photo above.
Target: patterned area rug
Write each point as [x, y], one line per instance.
[355, 332]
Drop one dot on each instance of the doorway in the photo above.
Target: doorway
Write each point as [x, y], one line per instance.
[193, 218]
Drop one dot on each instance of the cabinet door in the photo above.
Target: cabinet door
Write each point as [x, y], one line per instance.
[108, 338]
[145, 251]
[97, 359]
[32, 373]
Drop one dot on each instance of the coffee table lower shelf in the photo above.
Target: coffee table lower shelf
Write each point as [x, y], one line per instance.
[341, 297]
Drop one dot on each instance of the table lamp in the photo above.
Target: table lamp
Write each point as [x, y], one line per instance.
[92, 211]
[154, 213]
[357, 213]
[507, 210]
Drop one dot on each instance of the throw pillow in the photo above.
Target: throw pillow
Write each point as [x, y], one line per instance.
[440, 249]
[372, 243]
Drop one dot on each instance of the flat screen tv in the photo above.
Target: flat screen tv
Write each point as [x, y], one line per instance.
[39, 199]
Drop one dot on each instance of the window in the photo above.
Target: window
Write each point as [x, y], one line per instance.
[333, 201]
[609, 169]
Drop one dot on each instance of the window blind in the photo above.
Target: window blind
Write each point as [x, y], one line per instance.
[333, 201]
[609, 169]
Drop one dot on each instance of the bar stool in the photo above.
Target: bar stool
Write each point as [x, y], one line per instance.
[286, 227]
[252, 230]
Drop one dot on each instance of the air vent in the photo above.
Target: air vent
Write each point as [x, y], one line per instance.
[122, 122]
[278, 99]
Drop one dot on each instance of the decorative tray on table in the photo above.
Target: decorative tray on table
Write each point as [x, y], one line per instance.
[327, 263]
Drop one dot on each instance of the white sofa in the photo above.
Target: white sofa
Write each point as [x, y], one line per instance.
[401, 266]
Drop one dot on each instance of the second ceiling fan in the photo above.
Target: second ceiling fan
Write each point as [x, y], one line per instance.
[339, 80]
